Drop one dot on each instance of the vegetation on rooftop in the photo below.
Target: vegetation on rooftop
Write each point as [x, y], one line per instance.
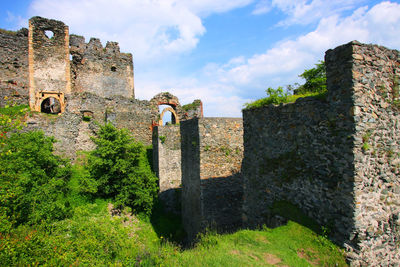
[314, 86]
[191, 106]
[7, 32]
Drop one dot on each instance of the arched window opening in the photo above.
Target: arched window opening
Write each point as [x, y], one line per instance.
[49, 34]
[51, 106]
[167, 118]
[167, 115]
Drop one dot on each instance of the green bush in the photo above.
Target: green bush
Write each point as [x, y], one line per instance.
[33, 181]
[122, 170]
[315, 80]
[315, 86]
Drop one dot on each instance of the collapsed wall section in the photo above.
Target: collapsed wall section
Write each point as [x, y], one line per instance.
[105, 72]
[212, 151]
[167, 165]
[14, 66]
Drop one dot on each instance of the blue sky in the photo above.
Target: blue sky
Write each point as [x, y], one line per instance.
[225, 52]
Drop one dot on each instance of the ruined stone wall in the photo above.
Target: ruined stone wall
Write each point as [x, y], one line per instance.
[376, 112]
[212, 152]
[49, 67]
[71, 132]
[14, 66]
[192, 206]
[193, 110]
[336, 158]
[167, 165]
[135, 115]
[105, 72]
[77, 124]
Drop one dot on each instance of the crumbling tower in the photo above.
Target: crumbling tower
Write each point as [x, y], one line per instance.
[49, 66]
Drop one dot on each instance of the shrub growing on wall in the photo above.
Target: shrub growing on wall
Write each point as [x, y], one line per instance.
[122, 170]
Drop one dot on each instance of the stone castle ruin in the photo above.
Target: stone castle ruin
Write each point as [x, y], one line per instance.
[59, 73]
[336, 157]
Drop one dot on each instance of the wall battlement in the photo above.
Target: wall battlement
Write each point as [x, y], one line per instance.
[103, 71]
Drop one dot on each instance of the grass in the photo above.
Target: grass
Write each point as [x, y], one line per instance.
[14, 110]
[291, 245]
[281, 100]
[93, 237]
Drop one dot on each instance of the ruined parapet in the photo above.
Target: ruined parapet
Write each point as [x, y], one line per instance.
[212, 152]
[49, 68]
[105, 72]
[14, 66]
[193, 110]
[167, 165]
[336, 158]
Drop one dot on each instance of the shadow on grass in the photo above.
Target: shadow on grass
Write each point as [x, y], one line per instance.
[291, 212]
[167, 225]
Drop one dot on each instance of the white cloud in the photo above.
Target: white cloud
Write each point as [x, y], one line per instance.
[18, 21]
[206, 7]
[225, 87]
[153, 29]
[293, 56]
[149, 28]
[305, 11]
[218, 99]
[262, 7]
[281, 64]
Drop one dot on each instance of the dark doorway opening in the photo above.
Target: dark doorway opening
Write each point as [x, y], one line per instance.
[51, 106]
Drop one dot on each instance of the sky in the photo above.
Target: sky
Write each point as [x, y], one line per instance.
[224, 52]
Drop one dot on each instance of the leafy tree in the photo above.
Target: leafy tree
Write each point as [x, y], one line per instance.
[315, 80]
[122, 170]
[315, 85]
[33, 181]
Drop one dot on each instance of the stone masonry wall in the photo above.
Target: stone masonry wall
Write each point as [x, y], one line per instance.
[14, 66]
[212, 152]
[192, 206]
[336, 158]
[49, 67]
[105, 72]
[167, 165]
[376, 112]
[135, 115]
[299, 152]
[74, 127]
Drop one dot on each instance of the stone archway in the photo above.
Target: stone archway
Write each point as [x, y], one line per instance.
[166, 98]
[42, 98]
[174, 119]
